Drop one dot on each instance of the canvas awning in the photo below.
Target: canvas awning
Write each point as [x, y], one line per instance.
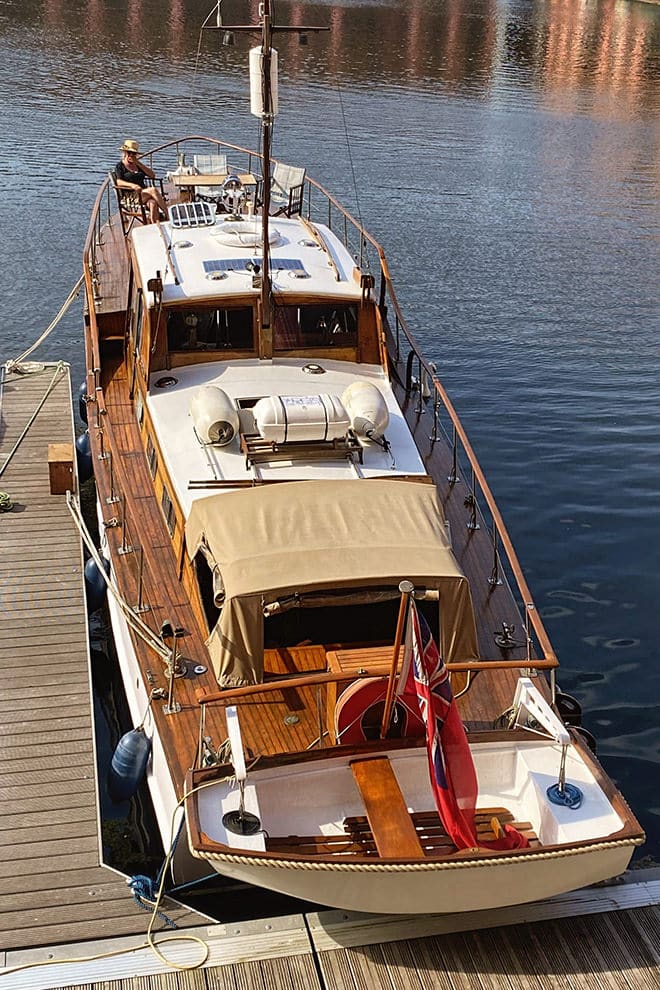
[301, 537]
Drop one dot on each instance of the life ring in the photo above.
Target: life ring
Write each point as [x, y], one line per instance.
[244, 234]
[359, 712]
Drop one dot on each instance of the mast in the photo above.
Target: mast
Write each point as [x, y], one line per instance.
[266, 349]
[266, 28]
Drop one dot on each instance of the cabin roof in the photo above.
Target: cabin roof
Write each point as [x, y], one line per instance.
[217, 262]
[192, 466]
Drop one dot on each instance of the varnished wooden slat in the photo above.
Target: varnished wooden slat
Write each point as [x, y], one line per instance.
[391, 824]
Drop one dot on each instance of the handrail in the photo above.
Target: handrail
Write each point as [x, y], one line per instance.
[312, 680]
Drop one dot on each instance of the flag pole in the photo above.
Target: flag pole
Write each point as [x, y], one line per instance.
[407, 589]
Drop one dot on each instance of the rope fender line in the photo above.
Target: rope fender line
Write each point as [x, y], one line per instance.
[425, 867]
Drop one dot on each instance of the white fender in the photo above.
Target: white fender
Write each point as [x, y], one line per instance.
[214, 415]
[365, 404]
[291, 418]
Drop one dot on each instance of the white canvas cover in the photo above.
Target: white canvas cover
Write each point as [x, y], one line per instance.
[305, 536]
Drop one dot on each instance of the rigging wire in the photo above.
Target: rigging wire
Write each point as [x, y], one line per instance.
[358, 208]
[214, 10]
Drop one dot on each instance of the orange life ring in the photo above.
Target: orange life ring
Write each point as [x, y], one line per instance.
[359, 712]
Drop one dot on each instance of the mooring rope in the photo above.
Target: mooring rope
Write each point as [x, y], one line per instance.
[59, 371]
[14, 365]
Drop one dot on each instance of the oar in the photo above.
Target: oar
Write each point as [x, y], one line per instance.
[406, 588]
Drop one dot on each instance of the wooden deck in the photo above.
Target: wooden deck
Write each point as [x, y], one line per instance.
[606, 938]
[52, 887]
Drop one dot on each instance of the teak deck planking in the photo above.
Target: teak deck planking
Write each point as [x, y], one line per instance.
[52, 886]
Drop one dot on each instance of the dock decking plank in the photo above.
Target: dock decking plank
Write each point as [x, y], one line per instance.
[51, 884]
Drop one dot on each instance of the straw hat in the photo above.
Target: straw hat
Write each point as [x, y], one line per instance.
[129, 145]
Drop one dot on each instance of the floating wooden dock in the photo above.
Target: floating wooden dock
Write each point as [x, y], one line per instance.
[52, 887]
[606, 938]
[58, 902]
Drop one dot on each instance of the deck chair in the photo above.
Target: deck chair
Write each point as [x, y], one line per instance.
[210, 165]
[131, 208]
[286, 189]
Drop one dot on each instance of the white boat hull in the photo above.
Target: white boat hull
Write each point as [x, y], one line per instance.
[436, 890]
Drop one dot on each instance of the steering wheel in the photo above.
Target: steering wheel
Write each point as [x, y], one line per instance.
[233, 193]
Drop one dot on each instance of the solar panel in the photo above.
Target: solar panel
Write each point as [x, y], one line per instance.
[192, 214]
[249, 265]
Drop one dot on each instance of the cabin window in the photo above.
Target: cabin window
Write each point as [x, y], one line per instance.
[210, 329]
[139, 410]
[152, 457]
[329, 324]
[168, 511]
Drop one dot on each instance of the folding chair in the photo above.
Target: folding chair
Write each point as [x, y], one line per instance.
[209, 165]
[131, 208]
[286, 189]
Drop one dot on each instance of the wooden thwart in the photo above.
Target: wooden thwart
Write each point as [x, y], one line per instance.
[391, 825]
[358, 839]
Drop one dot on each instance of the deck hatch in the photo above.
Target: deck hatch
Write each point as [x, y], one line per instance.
[249, 264]
[192, 215]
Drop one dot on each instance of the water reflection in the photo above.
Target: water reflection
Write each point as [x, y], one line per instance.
[557, 49]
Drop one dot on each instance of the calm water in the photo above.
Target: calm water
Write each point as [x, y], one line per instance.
[526, 134]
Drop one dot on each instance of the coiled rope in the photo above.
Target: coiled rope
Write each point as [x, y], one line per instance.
[152, 892]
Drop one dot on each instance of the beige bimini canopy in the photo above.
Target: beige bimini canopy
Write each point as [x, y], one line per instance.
[305, 536]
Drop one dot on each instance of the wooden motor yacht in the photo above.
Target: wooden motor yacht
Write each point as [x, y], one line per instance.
[286, 497]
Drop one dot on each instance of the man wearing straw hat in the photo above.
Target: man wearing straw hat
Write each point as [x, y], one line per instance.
[133, 174]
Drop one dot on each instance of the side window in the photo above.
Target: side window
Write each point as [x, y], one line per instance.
[152, 457]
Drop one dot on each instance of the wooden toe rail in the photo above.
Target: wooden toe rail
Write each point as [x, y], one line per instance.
[389, 819]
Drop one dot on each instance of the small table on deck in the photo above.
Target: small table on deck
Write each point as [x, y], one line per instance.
[189, 182]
